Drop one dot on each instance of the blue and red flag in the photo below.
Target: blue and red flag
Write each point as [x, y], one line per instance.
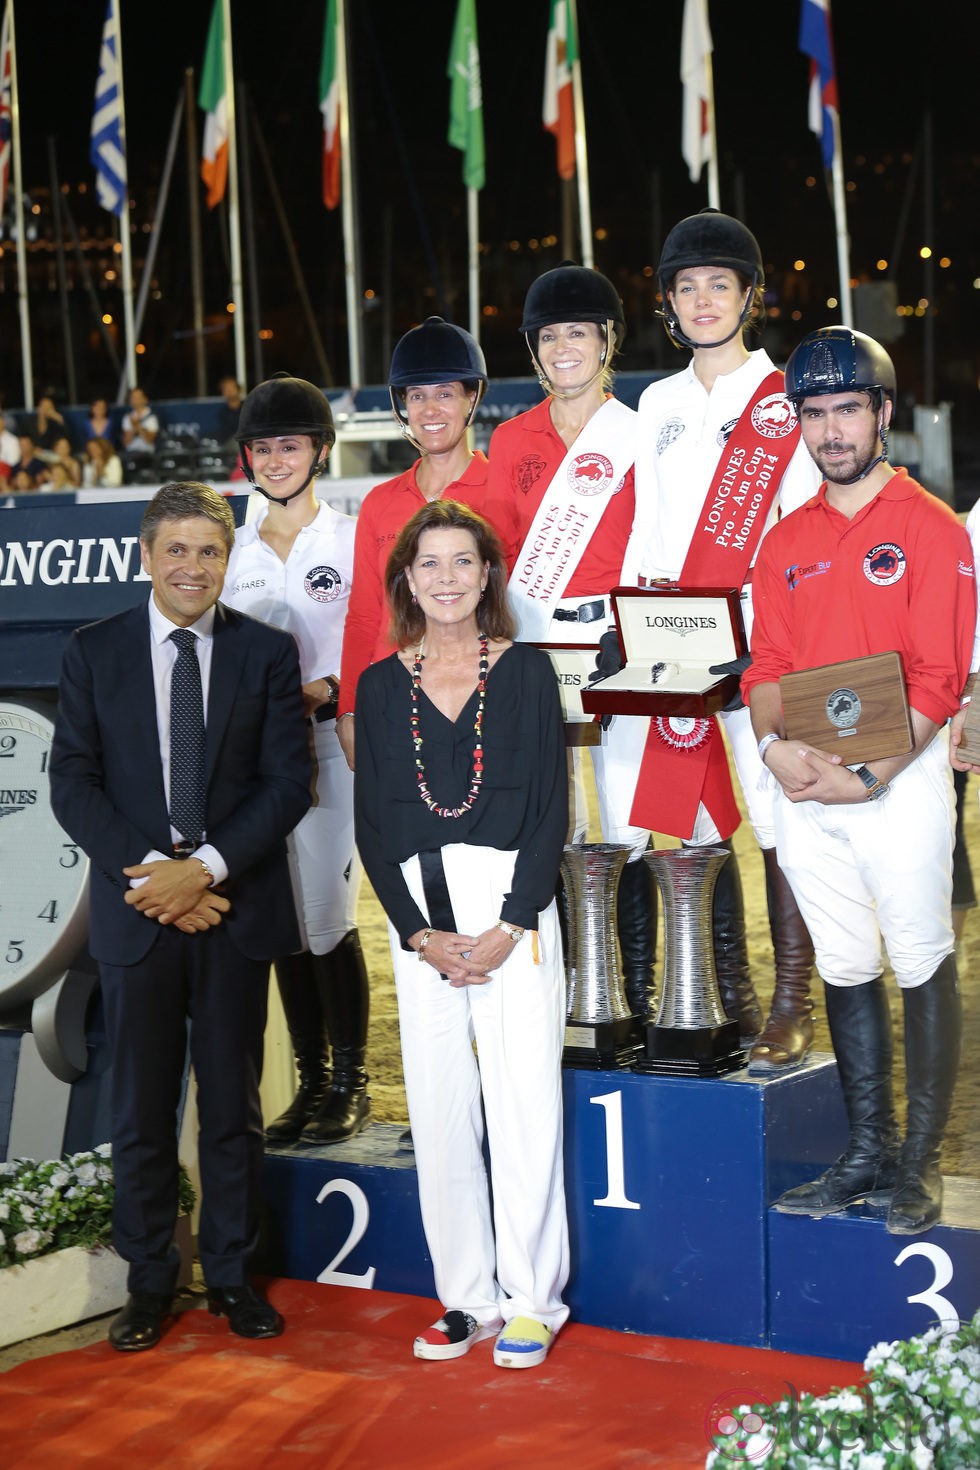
[817, 42]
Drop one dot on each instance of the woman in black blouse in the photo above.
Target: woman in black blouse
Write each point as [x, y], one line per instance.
[461, 812]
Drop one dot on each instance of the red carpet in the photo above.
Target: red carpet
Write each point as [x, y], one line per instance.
[341, 1391]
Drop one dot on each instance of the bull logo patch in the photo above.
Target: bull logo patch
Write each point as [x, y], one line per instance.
[323, 584]
[884, 564]
[589, 474]
[774, 416]
[843, 708]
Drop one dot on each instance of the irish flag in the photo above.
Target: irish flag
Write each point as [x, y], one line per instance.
[211, 98]
[558, 113]
[330, 107]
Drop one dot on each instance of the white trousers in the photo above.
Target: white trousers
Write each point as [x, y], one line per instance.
[881, 870]
[511, 1261]
[616, 764]
[321, 848]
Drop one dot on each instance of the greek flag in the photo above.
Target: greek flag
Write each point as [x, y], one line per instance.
[108, 150]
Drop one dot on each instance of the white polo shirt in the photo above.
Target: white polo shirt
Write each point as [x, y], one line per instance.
[307, 594]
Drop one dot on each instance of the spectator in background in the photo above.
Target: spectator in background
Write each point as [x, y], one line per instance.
[30, 461]
[9, 446]
[48, 427]
[228, 412]
[64, 460]
[21, 480]
[99, 421]
[140, 426]
[102, 469]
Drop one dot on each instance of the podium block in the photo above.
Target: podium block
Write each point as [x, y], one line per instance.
[346, 1215]
[668, 1180]
[841, 1284]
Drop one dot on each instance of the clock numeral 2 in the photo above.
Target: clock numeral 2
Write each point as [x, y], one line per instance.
[8, 744]
[50, 911]
[15, 951]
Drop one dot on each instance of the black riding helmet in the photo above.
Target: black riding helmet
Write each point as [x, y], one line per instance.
[437, 351]
[709, 238]
[286, 405]
[573, 293]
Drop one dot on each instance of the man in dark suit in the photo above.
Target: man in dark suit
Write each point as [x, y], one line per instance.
[181, 786]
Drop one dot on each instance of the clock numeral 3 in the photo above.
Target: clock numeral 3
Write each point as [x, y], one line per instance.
[50, 911]
[71, 854]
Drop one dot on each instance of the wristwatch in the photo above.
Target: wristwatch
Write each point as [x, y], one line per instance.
[876, 789]
[511, 930]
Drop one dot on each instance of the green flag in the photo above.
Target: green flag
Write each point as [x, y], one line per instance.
[466, 96]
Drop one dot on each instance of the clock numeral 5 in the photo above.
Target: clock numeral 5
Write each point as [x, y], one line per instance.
[15, 951]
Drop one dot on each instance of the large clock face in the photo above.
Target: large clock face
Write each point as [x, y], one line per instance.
[43, 874]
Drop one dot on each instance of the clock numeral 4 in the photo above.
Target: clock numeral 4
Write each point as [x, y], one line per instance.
[50, 911]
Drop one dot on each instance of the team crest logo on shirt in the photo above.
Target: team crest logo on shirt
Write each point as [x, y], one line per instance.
[682, 732]
[843, 708]
[884, 564]
[670, 430]
[725, 433]
[323, 584]
[774, 416]
[589, 474]
[529, 471]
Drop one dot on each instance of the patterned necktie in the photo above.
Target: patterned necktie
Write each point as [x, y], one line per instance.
[187, 784]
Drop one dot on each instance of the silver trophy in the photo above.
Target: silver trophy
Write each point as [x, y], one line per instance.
[600, 1030]
[692, 1035]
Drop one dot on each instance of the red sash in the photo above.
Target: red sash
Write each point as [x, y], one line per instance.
[684, 762]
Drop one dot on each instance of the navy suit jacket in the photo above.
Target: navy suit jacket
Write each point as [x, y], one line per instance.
[107, 778]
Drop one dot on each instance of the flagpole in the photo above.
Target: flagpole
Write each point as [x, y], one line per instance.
[581, 149]
[234, 227]
[351, 253]
[840, 225]
[473, 230]
[125, 229]
[714, 189]
[25, 316]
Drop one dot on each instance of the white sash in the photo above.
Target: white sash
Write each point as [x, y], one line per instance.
[570, 510]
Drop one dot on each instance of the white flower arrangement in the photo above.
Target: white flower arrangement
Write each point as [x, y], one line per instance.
[48, 1206]
[918, 1409]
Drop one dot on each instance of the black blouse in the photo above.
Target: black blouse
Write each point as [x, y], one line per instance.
[522, 804]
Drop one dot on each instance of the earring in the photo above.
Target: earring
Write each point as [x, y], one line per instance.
[415, 601]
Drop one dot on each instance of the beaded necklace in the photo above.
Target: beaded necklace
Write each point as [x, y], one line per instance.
[477, 778]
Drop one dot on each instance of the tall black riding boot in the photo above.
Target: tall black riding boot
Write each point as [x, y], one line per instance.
[343, 985]
[731, 952]
[861, 1031]
[933, 1024]
[788, 1033]
[636, 925]
[301, 1004]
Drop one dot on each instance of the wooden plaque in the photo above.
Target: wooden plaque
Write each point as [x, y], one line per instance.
[858, 709]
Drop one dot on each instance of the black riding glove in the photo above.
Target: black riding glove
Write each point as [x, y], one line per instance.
[608, 660]
[736, 666]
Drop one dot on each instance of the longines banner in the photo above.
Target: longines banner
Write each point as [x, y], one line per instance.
[63, 565]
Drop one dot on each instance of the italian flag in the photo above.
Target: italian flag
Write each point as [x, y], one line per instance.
[558, 113]
[330, 107]
[211, 98]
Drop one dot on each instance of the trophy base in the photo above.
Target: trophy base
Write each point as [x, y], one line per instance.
[601, 1045]
[705, 1051]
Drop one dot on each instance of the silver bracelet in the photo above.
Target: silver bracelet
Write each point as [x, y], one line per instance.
[765, 743]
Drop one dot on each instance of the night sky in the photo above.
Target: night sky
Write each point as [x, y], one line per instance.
[412, 202]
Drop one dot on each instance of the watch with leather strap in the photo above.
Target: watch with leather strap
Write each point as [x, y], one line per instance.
[876, 789]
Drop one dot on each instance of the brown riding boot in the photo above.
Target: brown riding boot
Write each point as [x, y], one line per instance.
[731, 952]
[788, 1033]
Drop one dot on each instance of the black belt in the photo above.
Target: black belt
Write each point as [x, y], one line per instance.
[587, 612]
[436, 891]
[184, 848]
[323, 713]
